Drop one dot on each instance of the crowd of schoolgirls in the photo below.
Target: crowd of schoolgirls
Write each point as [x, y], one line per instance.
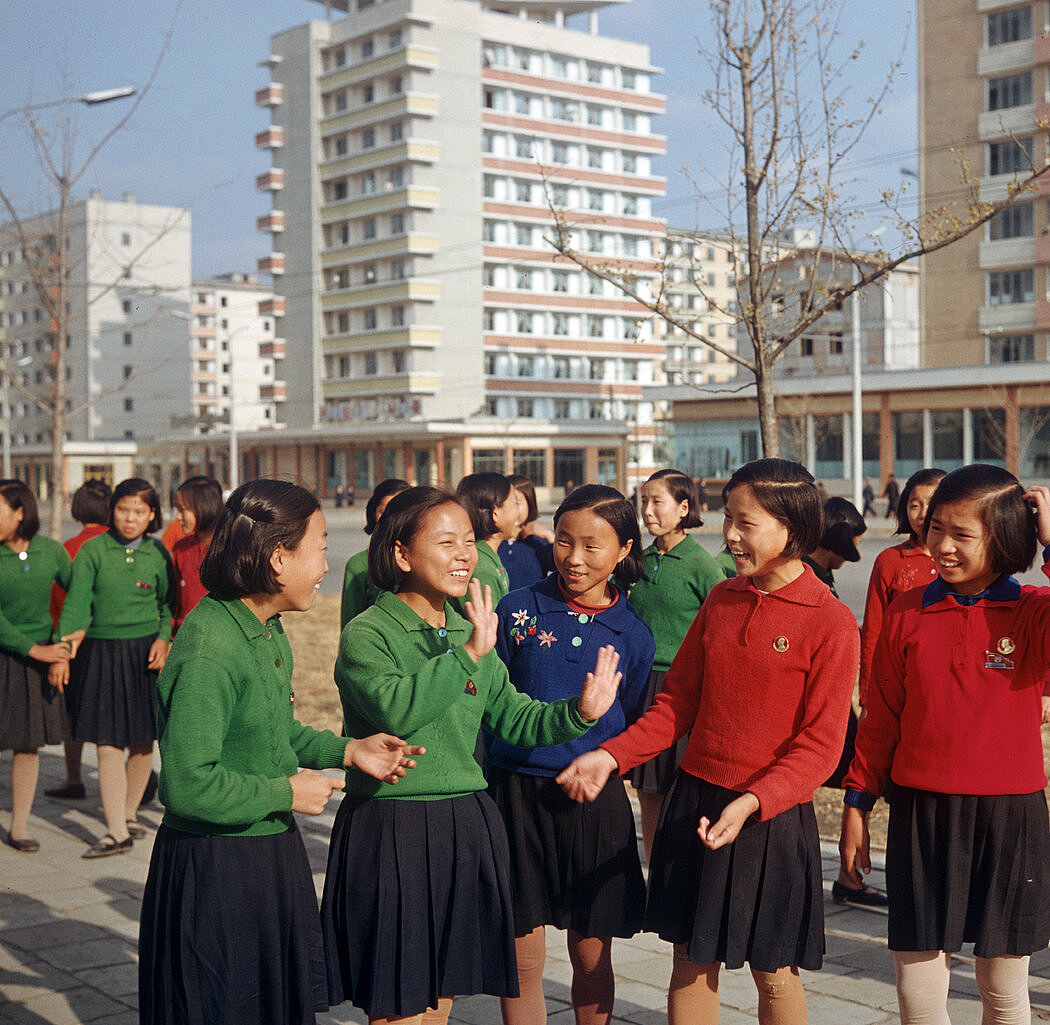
[577, 656]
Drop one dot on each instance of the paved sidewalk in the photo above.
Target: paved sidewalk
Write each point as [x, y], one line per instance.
[68, 934]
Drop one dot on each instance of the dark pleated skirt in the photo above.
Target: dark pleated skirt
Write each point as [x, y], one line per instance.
[114, 695]
[757, 901]
[574, 866]
[656, 775]
[229, 932]
[417, 904]
[962, 868]
[31, 710]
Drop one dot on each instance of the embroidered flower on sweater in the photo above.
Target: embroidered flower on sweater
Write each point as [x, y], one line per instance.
[520, 616]
[521, 630]
[546, 639]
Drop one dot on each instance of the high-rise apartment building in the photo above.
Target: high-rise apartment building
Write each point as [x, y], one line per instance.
[983, 98]
[128, 367]
[418, 148]
[237, 356]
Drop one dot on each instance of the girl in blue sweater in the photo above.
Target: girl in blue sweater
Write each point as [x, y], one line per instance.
[573, 866]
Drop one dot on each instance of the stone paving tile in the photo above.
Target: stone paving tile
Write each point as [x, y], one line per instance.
[80, 1006]
[120, 980]
[55, 932]
[103, 953]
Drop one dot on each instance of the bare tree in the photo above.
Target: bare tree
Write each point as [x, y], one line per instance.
[46, 256]
[788, 132]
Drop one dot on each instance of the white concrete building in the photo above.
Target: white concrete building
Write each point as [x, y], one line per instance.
[416, 147]
[128, 375]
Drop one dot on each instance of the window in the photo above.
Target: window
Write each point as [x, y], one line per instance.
[394, 39]
[397, 316]
[523, 147]
[368, 93]
[521, 103]
[1009, 26]
[1011, 286]
[396, 86]
[563, 110]
[367, 48]
[629, 120]
[561, 368]
[396, 177]
[595, 199]
[126, 305]
[128, 370]
[368, 138]
[595, 158]
[125, 238]
[526, 366]
[339, 189]
[490, 364]
[597, 370]
[488, 186]
[129, 405]
[805, 347]
[370, 319]
[526, 407]
[370, 273]
[400, 361]
[559, 67]
[560, 323]
[1011, 348]
[371, 363]
[835, 343]
[524, 322]
[1010, 91]
[560, 281]
[523, 234]
[397, 132]
[368, 183]
[561, 409]
[523, 277]
[560, 152]
[127, 338]
[1014, 222]
[628, 79]
[523, 192]
[397, 224]
[630, 245]
[630, 163]
[595, 326]
[594, 115]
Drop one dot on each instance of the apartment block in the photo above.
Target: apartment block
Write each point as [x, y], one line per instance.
[419, 148]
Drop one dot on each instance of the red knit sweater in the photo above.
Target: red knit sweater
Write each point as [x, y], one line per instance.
[955, 699]
[896, 570]
[764, 683]
[187, 556]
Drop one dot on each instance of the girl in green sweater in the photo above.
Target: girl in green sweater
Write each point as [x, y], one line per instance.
[229, 929]
[416, 905]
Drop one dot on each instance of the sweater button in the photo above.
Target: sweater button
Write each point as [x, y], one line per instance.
[130, 559]
[583, 617]
[266, 635]
[277, 662]
[577, 641]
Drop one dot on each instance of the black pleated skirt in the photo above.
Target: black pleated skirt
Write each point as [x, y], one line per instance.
[574, 866]
[229, 932]
[417, 905]
[656, 775]
[31, 710]
[114, 694]
[962, 868]
[757, 901]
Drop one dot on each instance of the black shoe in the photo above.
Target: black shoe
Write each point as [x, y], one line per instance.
[108, 845]
[26, 846]
[151, 789]
[868, 897]
[68, 792]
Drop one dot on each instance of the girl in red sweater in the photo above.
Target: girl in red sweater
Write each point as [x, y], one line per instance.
[953, 718]
[198, 504]
[898, 568]
[763, 680]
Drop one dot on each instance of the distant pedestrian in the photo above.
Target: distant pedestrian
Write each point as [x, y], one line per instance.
[892, 494]
[350, 498]
[868, 495]
[701, 494]
[340, 496]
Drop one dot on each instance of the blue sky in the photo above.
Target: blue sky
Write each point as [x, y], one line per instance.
[192, 139]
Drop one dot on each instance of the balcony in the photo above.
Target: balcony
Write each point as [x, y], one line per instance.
[272, 264]
[271, 181]
[272, 307]
[273, 349]
[273, 221]
[1007, 318]
[271, 96]
[272, 138]
[276, 391]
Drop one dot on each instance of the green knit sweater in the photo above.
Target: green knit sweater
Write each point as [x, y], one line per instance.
[25, 592]
[229, 739]
[359, 593]
[119, 592]
[397, 674]
[489, 570]
[679, 581]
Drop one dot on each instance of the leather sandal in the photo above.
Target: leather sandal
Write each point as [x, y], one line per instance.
[26, 846]
[867, 897]
[136, 830]
[104, 849]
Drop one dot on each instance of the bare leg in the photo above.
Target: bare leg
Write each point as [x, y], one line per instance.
[431, 1016]
[113, 785]
[650, 805]
[781, 998]
[25, 767]
[593, 981]
[530, 1008]
[922, 986]
[73, 750]
[692, 998]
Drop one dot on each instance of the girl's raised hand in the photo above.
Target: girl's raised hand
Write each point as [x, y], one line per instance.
[729, 823]
[382, 756]
[311, 790]
[599, 691]
[1038, 497]
[854, 845]
[583, 779]
[482, 618]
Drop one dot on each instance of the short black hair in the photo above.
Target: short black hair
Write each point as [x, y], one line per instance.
[138, 488]
[257, 517]
[1001, 506]
[384, 489]
[401, 522]
[527, 490]
[842, 510]
[788, 492]
[682, 488]
[91, 502]
[927, 475]
[620, 514]
[479, 494]
[19, 495]
[203, 497]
